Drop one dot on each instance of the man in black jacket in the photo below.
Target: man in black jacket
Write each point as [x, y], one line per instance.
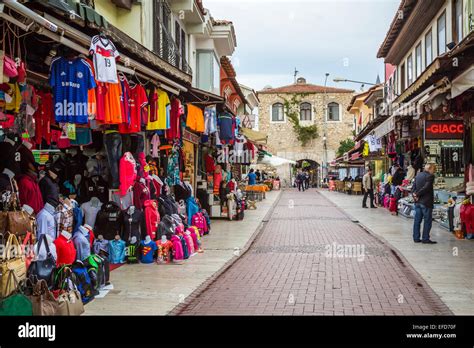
[424, 202]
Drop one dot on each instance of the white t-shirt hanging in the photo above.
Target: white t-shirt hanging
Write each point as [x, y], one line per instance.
[105, 54]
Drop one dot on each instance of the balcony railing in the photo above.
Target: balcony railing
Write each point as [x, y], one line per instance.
[166, 48]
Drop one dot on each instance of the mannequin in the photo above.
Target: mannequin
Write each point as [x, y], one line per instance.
[82, 243]
[152, 217]
[164, 250]
[132, 250]
[190, 243]
[178, 254]
[90, 210]
[117, 250]
[100, 244]
[148, 248]
[65, 249]
[46, 220]
[66, 215]
[49, 185]
[91, 234]
[133, 224]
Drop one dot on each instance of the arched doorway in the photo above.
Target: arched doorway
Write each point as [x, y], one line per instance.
[312, 168]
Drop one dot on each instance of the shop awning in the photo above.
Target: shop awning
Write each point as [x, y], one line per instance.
[463, 82]
[254, 136]
[196, 95]
[386, 127]
[275, 161]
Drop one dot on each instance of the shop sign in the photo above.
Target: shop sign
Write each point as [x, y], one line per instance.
[444, 129]
[191, 137]
[386, 127]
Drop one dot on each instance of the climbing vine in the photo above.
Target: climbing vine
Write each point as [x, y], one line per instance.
[292, 109]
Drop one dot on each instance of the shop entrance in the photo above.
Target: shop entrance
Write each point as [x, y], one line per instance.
[312, 168]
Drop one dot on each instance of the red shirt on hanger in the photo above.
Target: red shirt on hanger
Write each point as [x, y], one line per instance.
[138, 102]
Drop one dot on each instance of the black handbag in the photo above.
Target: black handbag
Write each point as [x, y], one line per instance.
[43, 269]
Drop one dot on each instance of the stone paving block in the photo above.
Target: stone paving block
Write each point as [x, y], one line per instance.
[293, 268]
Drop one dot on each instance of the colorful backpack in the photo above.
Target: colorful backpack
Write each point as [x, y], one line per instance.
[83, 281]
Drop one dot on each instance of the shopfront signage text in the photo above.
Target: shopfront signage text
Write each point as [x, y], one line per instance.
[193, 138]
[444, 129]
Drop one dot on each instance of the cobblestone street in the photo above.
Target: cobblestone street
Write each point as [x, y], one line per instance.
[312, 259]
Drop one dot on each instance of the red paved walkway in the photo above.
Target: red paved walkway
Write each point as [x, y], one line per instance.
[288, 271]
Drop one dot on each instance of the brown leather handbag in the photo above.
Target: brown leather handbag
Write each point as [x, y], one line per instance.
[11, 263]
[13, 219]
[43, 301]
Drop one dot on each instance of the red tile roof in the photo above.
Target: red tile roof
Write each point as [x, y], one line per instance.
[304, 88]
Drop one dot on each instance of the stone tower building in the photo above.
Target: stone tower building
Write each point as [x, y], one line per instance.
[314, 102]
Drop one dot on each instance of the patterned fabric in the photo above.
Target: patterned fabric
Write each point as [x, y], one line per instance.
[173, 169]
[66, 218]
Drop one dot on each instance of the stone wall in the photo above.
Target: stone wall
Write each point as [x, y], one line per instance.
[282, 139]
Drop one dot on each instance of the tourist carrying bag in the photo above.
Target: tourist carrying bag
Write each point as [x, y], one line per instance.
[16, 304]
[43, 301]
[43, 269]
[11, 263]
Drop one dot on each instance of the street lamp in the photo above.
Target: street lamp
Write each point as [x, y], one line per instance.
[325, 156]
[341, 79]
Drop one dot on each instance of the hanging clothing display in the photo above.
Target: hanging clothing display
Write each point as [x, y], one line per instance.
[195, 118]
[226, 125]
[138, 101]
[160, 119]
[71, 81]
[128, 173]
[210, 120]
[105, 54]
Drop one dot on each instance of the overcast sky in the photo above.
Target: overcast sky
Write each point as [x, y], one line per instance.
[340, 37]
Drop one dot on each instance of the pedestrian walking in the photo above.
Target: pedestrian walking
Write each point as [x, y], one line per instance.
[258, 175]
[251, 177]
[300, 181]
[423, 194]
[306, 180]
[368, 185]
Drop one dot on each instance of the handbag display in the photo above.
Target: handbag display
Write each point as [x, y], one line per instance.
[70, 303]
[43, 269]
[27, 250]
[9, 65]
[17, 304]
[9, 264]
[69, 298]
[43, 301]
[16, 221]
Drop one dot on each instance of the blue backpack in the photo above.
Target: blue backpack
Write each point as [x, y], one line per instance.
[83, 281]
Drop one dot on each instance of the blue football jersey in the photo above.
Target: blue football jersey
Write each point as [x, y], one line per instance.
[70, 81]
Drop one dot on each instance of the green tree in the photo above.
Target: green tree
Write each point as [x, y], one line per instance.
[292, 109]
[344, 146]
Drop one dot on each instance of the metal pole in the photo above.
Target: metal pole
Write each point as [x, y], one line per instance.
[325, 159]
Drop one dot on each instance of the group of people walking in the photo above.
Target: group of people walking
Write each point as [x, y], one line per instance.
[423, 196]
[302, 180]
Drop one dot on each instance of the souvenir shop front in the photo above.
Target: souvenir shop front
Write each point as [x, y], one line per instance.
[98, 168]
